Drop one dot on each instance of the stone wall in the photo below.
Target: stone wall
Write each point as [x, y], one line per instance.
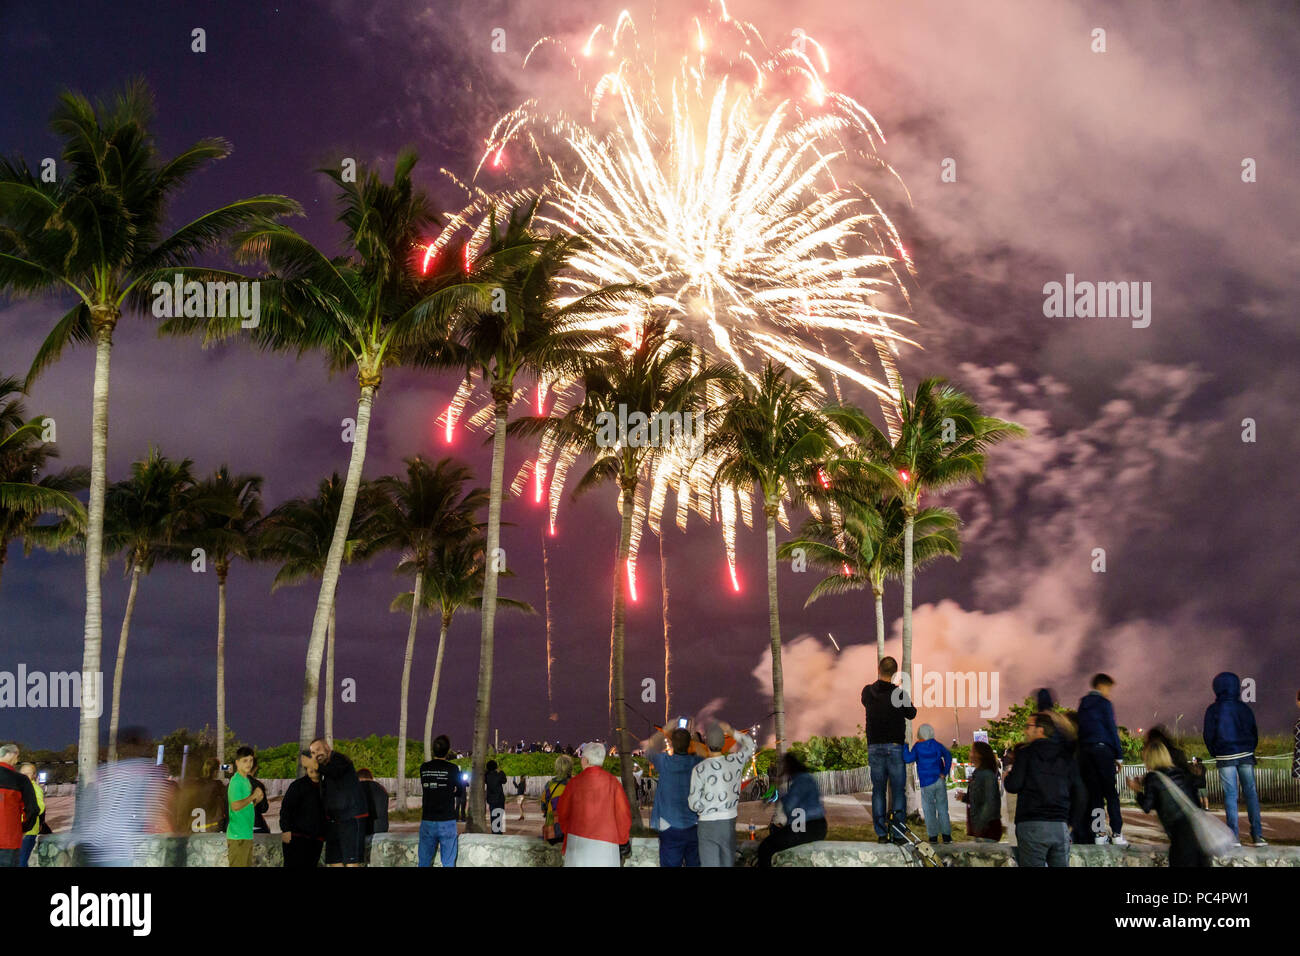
[477, 849]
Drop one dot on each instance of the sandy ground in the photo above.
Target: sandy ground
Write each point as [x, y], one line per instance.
[1281, 826]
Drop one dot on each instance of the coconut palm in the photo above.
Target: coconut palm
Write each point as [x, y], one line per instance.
[942, 443]
[864, 547]
[772, 437]
[454, 580]
[366, 312]
[144, 517]
[227, 509]
[537, 333]
[658, 376]
[418, 515]
[297, 534]
[26, 495]
[97, 234]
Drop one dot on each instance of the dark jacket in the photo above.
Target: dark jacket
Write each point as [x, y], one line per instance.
[1229, 728]
[341, 789]
[1155, 795]
[301, 811]
[885, 719]
[259, 820]
[1044, 774]
[985, 803]
[1097, 724]
[377, 805]
[494, 783]
[18, 807]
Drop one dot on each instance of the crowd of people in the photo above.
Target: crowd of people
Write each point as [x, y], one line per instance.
[1059, 787]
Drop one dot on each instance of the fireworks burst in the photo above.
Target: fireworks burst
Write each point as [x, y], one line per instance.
[729, 188]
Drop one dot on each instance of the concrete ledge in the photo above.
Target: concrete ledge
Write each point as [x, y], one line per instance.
[508, 850]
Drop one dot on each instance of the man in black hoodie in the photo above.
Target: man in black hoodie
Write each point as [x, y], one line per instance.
[888, 710]
[346, 806]
[302, 818]
[1043, 776]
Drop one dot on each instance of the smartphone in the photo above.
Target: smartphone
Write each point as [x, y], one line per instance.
[681, 722]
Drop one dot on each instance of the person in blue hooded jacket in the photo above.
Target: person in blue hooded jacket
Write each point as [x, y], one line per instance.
[1100, 754]
[1231, 736]
[933, 763]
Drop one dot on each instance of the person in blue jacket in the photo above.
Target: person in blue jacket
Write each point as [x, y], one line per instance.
[805, 818]
[1100, 756]
[933, 763]
[1231, 737]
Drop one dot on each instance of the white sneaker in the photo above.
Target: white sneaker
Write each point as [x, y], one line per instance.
[1101, 839]
[1118, 840]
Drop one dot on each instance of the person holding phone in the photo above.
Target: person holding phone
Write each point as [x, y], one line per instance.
[243, 795]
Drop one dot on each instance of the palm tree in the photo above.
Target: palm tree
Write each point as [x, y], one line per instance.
[298, 533]
[772, 436]
[864, 547]
[659, 377]
[27, 496]
[941, 444]
[367, 311]
[143, 517]
[225, 525]
[418, 515]
[454, 580]
[97, 233]
[538, 333]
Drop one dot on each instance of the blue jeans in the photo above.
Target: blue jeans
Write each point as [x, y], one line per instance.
[1229, 775]
[934, 806]
[29, 844]
[1042, 843]
[436, 835]
[886, 763]
[679, 846]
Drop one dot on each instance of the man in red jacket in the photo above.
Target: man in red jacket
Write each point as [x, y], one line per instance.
[593, 813]
[18, 808]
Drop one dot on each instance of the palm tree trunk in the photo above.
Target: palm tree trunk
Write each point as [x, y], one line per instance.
[668, 651]
[483, 702]
[93, 638]
[774, 630]
[908, 527]
[333, 565]
[433, 691]
[330, 688]
[879, 595]
[121, 660]
[620, 612]
[406, 693]
[221, 666]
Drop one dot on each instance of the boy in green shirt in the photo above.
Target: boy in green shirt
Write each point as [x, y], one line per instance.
[241, 795]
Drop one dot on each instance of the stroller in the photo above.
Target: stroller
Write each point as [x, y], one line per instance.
[918, 851]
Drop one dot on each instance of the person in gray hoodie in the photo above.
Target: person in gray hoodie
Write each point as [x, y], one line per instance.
[1231, 737]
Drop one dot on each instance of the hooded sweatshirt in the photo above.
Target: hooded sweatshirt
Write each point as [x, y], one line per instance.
[933, 760]
[1229, 731]
[1045, 775]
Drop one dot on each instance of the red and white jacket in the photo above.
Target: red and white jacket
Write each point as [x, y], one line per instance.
[594, 806]
[18, 807]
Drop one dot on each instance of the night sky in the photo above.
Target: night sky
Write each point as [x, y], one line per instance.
[1116, 166]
